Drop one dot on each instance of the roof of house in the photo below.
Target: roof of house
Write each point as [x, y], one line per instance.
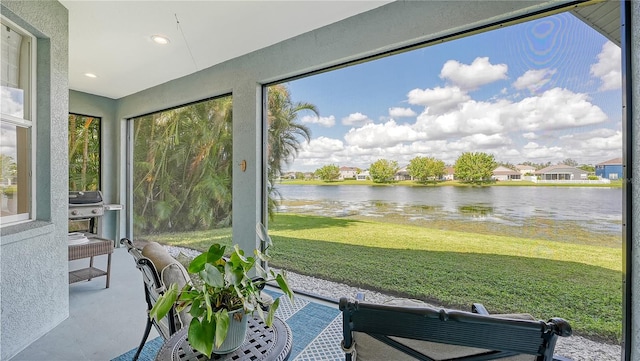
[501, 170]
[525, 167]
[614, 161]
[559, 168]
[348, 169]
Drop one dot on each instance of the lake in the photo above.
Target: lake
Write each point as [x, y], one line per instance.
[597, 209]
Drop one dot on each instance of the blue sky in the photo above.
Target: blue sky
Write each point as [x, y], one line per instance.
[541, 91]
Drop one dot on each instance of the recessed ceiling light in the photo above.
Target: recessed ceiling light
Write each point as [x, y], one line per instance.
[90, 75]
[160, 39]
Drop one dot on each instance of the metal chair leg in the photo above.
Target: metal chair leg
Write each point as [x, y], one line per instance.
[144, 339]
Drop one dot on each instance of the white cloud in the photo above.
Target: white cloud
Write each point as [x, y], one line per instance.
[596, 140]
[397, 112]
[12, 101]
[382, 135]
[438, 100]
[530, 135]
[356, 119]
[326, 122]
[554, 109]
[607, 69]
[472, 117]
[472, 76]
[538, 153]
[534, 79]
[486, 141]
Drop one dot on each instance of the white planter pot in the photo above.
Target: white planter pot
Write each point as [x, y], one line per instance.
[236, 334]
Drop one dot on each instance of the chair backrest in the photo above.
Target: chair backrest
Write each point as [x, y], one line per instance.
[156, 285]
[470, 336]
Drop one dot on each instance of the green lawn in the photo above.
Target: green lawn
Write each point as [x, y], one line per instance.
[581, 283]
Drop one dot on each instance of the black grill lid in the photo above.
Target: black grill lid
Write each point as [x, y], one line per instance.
[85, 197]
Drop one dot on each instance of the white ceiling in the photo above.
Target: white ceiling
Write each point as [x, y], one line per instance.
[112, 39]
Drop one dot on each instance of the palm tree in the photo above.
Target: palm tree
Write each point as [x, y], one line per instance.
[183, 168]
[84, 152]
[285, 135]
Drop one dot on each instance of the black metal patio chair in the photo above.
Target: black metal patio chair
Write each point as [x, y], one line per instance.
[419, 332]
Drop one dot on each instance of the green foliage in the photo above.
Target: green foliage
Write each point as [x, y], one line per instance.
[424, 169]
[328, 173]
[84, 153]
[9, 191]
[587, 168]
[475, 167]
[299, 175]
[182, 168]
[383, 170]
[285, 135]
[8, 168]
[570, 162]
[183, 161]
[226, 286]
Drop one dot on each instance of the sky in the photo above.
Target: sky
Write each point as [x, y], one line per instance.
[541, 91]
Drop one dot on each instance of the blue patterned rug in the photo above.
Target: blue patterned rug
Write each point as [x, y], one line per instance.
[149, 351]
[316, 328]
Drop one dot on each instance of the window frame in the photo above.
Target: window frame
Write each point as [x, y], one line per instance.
[28, 122]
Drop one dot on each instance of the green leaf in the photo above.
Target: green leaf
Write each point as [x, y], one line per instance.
[272, 310]
[207, 302]
[261, 230]
[215, 253]
[196, 310]
[201, 335]
[212, 276]
[198, 263]
[222, 326]
[284, 286]
[164, 303]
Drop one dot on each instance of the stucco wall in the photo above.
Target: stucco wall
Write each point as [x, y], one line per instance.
[34, 295]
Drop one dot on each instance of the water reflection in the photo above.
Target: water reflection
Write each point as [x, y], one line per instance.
[592, 209]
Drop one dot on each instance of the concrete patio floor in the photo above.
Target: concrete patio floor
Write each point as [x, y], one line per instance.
[103, 322]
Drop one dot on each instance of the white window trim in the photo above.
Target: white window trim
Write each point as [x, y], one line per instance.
[29, 123]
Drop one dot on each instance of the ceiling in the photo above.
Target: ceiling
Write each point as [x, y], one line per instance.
[112, 39]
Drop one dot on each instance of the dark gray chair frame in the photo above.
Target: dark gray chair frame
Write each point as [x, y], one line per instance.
[501, 336]
[153, 288]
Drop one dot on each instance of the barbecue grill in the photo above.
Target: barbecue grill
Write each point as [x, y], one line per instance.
[85, 204]
[86, 208]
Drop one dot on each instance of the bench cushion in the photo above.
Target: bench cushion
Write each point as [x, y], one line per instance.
[369, 348]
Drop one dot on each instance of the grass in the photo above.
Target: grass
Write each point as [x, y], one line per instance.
[579, 282]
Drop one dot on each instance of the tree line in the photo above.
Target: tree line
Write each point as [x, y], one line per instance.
[472, 167]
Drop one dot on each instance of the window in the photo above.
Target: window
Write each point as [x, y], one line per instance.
[502, 93]
[182, 171]
[84, 153]
[16, 123]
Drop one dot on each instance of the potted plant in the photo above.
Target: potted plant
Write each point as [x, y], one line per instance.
[225, 293]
